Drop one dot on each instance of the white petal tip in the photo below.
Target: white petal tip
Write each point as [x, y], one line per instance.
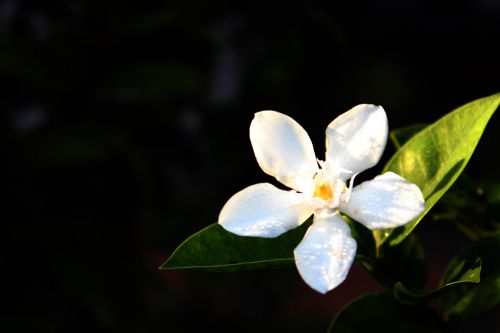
[325, 255]
[356, 139]
[262, 210]
[387, 201]
[283, 149]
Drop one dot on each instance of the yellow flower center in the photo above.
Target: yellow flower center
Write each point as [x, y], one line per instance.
[323, 191]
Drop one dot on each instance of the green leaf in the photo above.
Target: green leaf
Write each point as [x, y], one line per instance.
[467, 300]
[382, 313]
[216, 249]
[462, 274]
[399, 136]
[435, 157]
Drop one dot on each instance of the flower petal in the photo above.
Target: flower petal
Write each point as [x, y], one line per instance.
[326, 253]
[262, 210]
[283, 149]
[387, 201]
[356, 139]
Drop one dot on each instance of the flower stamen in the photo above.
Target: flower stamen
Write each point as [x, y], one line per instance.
[323, 191]
[349, 190]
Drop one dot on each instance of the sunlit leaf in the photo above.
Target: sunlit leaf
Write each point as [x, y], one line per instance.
[435, 157]
[382, 313]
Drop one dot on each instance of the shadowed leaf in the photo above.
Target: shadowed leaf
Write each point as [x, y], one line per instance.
[214, 248]
[462, 274]
[469, 300]
[382, 313]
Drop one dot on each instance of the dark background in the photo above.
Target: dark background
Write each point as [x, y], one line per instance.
[125, 129]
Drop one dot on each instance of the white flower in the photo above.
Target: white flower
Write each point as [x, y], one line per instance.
[354, 142]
